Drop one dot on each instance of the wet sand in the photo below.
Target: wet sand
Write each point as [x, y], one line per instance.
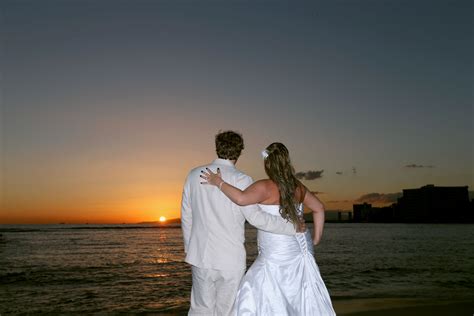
[380, 307]
[405, 307]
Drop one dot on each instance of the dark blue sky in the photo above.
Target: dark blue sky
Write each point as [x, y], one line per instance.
[109, 103]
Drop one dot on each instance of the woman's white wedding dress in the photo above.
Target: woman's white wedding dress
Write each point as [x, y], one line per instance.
[284, 279]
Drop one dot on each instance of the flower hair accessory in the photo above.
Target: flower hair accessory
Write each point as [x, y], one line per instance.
[264, 154]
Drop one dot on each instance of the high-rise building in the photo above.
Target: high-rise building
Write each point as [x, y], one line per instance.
[434, 204]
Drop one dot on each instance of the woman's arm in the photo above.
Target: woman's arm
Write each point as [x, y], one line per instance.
[255, 193]
[317, 207]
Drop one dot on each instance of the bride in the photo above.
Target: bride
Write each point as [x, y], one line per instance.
[284, 279]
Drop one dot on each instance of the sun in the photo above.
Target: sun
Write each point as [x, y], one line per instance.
[162, 219]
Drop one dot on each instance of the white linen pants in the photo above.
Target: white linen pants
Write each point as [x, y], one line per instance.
[214, 291]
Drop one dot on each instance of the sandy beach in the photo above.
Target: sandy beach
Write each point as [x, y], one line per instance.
[406, 307]
[385, 307]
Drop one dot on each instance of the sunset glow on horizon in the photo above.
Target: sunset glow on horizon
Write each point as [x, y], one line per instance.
[107, 106]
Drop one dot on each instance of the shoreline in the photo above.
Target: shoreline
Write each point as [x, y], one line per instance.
[375, 307]
[406, 307]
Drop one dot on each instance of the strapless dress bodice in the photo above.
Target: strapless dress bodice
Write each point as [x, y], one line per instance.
[280, 248]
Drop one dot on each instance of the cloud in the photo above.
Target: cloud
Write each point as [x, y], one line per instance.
[413, 165]
[379, 198]
[309, 175]
[339, 172]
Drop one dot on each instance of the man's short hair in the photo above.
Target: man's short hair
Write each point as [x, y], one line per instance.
[229, 145]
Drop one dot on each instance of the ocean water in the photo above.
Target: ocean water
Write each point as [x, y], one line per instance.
[102, 269]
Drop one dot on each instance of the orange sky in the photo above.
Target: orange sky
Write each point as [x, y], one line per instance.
[66, 202]
[105, 108]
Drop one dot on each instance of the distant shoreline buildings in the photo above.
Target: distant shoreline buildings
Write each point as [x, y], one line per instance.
[428, 204]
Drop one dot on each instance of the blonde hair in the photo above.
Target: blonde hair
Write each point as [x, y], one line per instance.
[279, 169]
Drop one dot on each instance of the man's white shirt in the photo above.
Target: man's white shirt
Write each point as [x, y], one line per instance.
[214, 227]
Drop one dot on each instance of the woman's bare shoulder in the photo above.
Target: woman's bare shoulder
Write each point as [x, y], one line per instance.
[265, 183]
[272, 194]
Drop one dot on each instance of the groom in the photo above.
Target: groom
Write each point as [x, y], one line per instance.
[213, 231]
